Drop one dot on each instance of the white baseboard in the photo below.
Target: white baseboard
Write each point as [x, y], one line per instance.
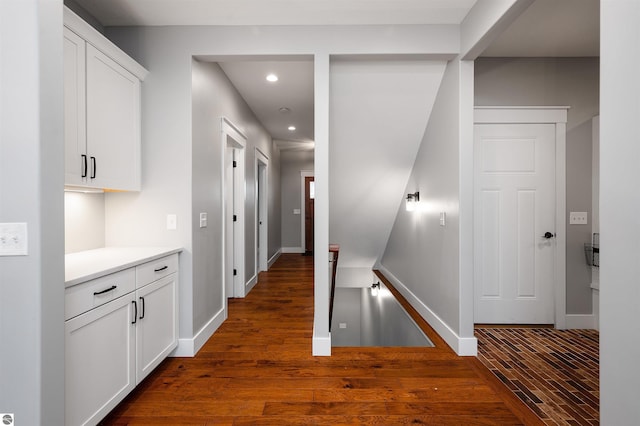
[292, 250]
[250, 284]
[190, 347]
[580, 321]
[273, 259]
[463, 346]
[321, 346]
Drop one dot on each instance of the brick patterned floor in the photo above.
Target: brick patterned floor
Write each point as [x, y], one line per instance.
[555, 372]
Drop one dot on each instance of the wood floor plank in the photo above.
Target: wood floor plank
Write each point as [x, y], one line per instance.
[258, 369]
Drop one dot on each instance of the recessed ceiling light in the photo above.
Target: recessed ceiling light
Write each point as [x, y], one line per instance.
[272, 78]
[292, 128]
[284, 110]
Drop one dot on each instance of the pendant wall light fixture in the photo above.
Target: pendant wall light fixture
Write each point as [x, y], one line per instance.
[412, 201]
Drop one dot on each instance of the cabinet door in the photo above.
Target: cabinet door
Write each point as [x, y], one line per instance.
[113, 123]
[157, 327]
[99, 361]
[75, 136]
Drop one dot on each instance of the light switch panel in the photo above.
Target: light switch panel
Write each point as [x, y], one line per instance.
[296, 211]
[172, 222]
[203, 220]
[443, 218]
[13, 239]
[577, 218]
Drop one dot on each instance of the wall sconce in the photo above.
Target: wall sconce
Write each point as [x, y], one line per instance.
[412, 201]
[375, 288]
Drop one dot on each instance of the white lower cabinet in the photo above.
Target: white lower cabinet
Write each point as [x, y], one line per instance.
[156, 328]
[110, 348]
[99, 360]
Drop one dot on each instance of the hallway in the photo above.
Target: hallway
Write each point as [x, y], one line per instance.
[257, 369]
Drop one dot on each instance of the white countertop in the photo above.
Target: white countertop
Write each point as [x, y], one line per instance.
[87, 265]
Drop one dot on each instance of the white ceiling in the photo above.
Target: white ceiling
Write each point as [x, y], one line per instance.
[276, 12]
[293, 90]
[546, 29]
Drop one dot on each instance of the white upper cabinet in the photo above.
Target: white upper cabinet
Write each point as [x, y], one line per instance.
[101, 110]
[75, 129]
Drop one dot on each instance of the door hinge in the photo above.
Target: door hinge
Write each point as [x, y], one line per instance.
[235, 218]
[235, 272]
[235, 164]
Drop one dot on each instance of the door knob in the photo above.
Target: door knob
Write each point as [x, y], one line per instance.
[548, 235]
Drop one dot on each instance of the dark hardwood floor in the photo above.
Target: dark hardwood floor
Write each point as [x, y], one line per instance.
[257, 369]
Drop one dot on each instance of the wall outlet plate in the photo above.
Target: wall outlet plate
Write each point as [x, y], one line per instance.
[577, 218]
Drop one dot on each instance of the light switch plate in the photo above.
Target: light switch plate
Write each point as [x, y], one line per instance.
[172, 222]
[13, 239]
[203, 220]
[577, 218]
[296, 211]
[443, 218]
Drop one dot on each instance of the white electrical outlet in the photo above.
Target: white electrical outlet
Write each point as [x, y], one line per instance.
[296, 211]
[13, 239]
[577, 218]
[203, 220]
[342, 325]
[172, 222]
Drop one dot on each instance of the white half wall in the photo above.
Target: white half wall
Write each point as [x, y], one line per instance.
[619, 204]
[31, 184]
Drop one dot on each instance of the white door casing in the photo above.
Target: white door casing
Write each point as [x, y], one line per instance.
[234, 196]
[519, 195]
[262, 211]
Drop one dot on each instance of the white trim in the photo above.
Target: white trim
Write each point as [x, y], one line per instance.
[273, 259]
[520, 114]
[250, 284]
[100, 42]
[232, 136]
[321, 346]
[303, 211]
[292, 250]
[580, 321]
[190, 347]
[556, 115]
[463, 346]
[261, 234]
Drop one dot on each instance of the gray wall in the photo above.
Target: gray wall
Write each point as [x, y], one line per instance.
[423, 256]
[572, 82]
[167, 129]
[292, 163]
[31, 183]
[619, 206]
[182, 171]
[213, 97]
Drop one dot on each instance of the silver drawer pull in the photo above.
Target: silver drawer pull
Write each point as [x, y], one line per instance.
[160, 269]
[113, 287]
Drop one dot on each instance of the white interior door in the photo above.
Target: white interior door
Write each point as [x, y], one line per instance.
[514, 205]
[228, 223]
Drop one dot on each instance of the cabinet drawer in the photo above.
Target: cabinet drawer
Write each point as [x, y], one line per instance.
[83, 297]
[156, 269]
